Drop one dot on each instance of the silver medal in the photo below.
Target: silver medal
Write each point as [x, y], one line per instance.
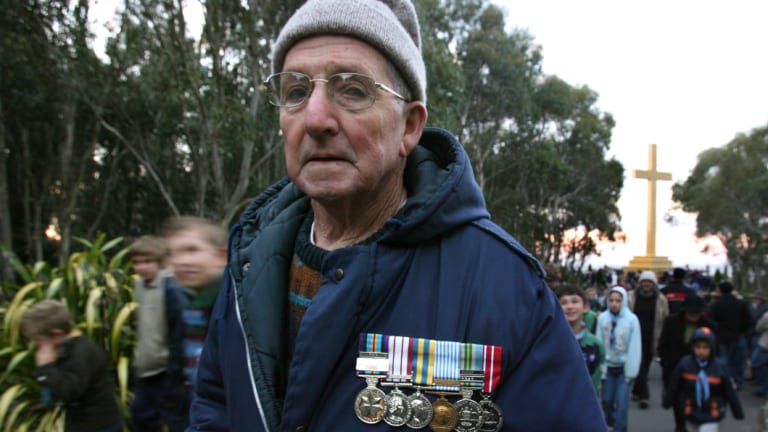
[470, 413]
[398, 410]
[422, 411]
[371, 404]
[492, 418]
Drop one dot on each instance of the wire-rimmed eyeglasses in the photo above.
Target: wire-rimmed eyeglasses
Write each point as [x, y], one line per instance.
[351, 91]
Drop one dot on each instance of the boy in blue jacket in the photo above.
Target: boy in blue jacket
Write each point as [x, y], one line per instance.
[701, 387]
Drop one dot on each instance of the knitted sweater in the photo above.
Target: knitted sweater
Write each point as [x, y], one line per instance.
[197, 316]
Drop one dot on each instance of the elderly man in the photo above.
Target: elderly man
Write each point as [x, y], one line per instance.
[369, 290]
[652, 309]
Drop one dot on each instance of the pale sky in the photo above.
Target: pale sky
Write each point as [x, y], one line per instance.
[685, 75]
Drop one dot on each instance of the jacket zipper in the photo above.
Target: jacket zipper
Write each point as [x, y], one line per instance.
[248, 355]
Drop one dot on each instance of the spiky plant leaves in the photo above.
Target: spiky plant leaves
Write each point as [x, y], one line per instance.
[6, 400]
[92, 310]
[10, 421]
[54, 287]
[117, 330]
[16, 360]
[123, 369]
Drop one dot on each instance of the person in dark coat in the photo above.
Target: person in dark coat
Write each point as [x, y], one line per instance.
[380, 229]
[701, 387]
[734, 319]
[676, 291]
[73, 371]
[674, 342]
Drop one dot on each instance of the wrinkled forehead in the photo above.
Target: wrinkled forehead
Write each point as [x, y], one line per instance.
[333, 53]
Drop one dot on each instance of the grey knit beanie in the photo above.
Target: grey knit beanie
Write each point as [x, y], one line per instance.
[391, 26]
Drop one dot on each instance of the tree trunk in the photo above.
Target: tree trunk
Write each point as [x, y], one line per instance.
[6, 272]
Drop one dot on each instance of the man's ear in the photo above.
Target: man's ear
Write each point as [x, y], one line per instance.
[415, 114]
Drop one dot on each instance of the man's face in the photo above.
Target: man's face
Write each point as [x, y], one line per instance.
[194, 259]
[333, 154]
[614, 302]
[693, 316]
[145, 266]
[647, 285]
[573, 307]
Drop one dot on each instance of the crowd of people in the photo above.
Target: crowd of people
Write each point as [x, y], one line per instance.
[369, 289]
[703, 343]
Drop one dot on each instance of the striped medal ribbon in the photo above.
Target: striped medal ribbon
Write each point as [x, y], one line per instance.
[492, 416]
[472, 378]
[423, 373]
[447, 374]
[372, 364]
[399, 408]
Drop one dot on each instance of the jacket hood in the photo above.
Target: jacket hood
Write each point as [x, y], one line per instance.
[437, 169]
[624, 301]
[704, 333]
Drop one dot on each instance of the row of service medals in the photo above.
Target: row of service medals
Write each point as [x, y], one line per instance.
[428, 366]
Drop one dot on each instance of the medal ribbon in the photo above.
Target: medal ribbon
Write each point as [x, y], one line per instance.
[472, 361]
[448, 364]
[400, 359]
[373, 343]
[423, 361]
[492, 367]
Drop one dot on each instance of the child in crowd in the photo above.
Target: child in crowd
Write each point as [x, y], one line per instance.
[160, 394]
[701, 386]
[574, 303]
[72, 369]
[198, 255]
[595, 299]
[618, 329]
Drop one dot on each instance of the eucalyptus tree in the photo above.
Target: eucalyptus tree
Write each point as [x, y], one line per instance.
[538, 145]
[208, 140]
[577, 186]
[51, 85]
[728, 191]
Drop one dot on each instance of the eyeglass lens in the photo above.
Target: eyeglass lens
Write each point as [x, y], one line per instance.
[348, 90]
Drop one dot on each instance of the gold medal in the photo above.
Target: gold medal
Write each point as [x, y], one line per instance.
[445, 417]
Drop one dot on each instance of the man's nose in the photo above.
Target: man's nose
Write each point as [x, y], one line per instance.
[319, 111]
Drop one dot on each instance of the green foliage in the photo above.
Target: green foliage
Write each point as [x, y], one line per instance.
[96, 287]
[728, 190]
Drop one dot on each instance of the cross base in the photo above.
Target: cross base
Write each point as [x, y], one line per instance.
[656, 264]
